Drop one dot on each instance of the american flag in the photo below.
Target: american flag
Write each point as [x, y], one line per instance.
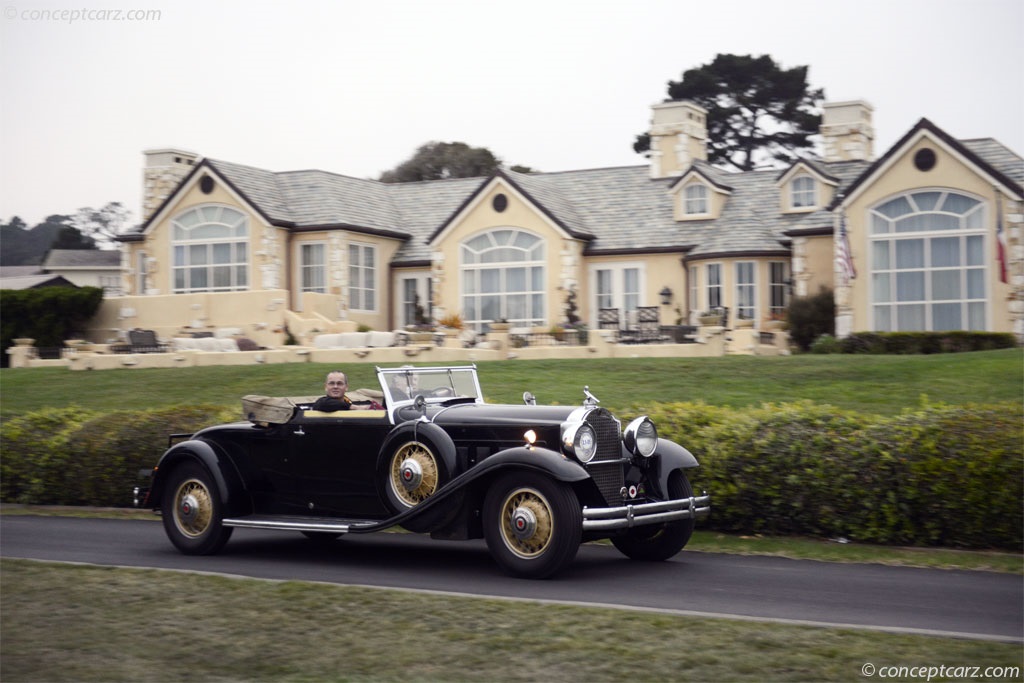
[844, 257]
[1000, 237]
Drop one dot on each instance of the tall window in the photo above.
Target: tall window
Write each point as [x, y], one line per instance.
[313, 268]
[417, 295]
[503, 278]
[211, 250]
[696, 199]
[778, 289]
[746, 290]
[618, 286]
[714, 285]
[141, 272]
[694, 299]
[927, 263]
[803, 192]
[362, 277]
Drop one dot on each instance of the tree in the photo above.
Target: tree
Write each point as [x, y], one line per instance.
[757, 111]
[810, 317]
[20, 246]
[71, 237]
[102, 225]
[437, 160]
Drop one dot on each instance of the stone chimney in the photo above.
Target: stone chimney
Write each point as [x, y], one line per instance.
[164, 169]
[679, 135]
[846, 131]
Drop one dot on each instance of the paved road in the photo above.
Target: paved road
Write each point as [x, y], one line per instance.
[968, 604]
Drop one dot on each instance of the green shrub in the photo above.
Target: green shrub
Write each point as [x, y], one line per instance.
[926, 342]
[49, 314]
[70, 456]
[809, 317]
[826, 343]
[35, 454]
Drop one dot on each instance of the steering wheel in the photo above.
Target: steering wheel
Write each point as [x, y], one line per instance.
[442, 392]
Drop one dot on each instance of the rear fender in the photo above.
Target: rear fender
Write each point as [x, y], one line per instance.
[229, 483]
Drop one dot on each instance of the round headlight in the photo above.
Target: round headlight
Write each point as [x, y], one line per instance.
[641, 437]
[581, 441]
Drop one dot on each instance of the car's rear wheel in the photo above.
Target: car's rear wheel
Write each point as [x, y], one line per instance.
[532, 524]
[418, 464]
[657, 542]
[193, 513]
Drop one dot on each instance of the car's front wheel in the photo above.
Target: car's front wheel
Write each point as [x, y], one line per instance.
[532, 524]
[192, 511]
[657, 542]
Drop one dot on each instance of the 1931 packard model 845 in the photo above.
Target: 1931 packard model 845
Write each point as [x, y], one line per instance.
[427, 454]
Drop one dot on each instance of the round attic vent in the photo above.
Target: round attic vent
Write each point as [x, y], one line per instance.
[924, 160]
[500, 202]
[206, 184]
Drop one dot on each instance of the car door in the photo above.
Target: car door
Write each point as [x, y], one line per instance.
[334, 460]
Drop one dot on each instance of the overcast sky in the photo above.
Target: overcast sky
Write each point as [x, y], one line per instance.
[355, 87]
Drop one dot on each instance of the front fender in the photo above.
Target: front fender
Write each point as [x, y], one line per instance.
[225, 475]
[670, 456]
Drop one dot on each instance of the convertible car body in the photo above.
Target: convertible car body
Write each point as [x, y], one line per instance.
[426, 453]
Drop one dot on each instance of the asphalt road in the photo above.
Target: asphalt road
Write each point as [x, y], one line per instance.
[968, 604]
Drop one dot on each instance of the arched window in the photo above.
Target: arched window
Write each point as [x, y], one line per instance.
[928, 262]
[211, 250]
[503, 278]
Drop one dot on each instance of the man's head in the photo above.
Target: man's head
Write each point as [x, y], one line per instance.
[336, 384]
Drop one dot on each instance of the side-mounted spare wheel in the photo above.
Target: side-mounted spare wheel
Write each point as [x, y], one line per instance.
[532, 523]
[416, 461]
[193, 512]
[656, 542]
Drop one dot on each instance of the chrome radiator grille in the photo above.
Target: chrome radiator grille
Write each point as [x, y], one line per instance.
[606, 469]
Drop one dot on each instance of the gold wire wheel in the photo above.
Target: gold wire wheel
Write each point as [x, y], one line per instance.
[414, 473]
[527, 522]
[193, 508]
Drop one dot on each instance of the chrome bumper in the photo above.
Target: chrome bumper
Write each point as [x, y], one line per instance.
[627, 516]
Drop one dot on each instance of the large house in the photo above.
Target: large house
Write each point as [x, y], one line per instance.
[925, 237]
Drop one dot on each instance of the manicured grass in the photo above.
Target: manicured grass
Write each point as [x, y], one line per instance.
[76, 623]
[873, 384]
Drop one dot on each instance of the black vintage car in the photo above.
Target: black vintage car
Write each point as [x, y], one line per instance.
[426, 453]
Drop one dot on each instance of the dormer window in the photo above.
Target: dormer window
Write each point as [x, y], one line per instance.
[803, 195]
[696, 200]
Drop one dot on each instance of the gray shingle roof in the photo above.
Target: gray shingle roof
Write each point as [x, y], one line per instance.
[615, 209]
[66, 259]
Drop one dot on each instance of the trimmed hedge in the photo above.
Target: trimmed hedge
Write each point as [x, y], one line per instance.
[935, 476]
[69, 456]
[954, 341]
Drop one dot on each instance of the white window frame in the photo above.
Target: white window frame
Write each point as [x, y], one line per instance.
[313, 269]
[621, 296]
[422, 287]
[803, 192]
[363, 288]
[141, 272]
[187, 242]
[885, 268]
[746, 290]
[778, 288]
[713, 289]
[489, 265]
[694, 287]
[696, 199]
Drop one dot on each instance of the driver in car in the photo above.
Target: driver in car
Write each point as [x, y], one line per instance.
[403, 387]
[335, 387]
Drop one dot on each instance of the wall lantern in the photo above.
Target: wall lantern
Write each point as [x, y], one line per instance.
[666, 296]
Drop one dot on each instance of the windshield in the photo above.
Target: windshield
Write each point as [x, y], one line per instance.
[434, 384]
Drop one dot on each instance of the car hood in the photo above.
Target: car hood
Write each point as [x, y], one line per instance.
[488, 414]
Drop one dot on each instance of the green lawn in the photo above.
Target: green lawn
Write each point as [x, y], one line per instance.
[80, 623]
[874, 384]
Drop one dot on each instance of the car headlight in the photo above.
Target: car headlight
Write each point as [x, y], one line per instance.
[581, 441]
[641, 437]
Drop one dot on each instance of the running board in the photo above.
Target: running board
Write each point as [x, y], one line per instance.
[282, 523]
